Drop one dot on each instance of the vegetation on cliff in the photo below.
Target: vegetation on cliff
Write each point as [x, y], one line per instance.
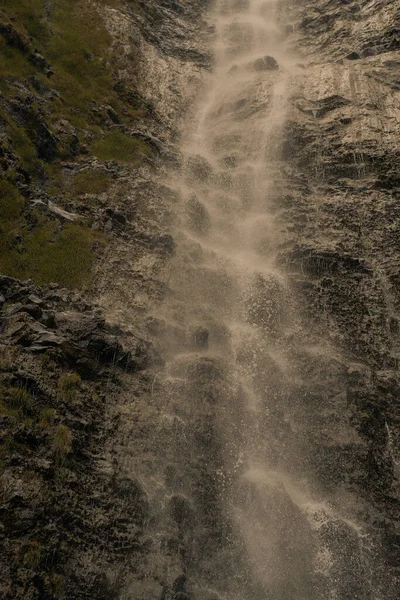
[61, 103]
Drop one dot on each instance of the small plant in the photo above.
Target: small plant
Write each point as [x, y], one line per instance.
[9, 446]
[12, 413]
[68, 385]
[46, 418]
[32, 554]
[58, 584]
[62, 443]
[69, 381]
[20, 399]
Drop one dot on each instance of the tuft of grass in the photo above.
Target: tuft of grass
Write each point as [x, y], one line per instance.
[46, 418]
[32, 554]
[69, 385]
[15, 415]
[120, 147]
[9, 446]
[69, 381]
[58, 584]
[62, 444]
[90, 182]
[20, 399]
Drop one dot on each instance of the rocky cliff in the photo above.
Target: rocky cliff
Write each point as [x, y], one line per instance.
[340, 222]
[84, 120]
[89, 125]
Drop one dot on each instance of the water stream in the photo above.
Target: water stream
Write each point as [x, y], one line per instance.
[246, 393]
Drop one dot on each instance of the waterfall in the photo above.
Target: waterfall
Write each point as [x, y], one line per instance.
[247, 391]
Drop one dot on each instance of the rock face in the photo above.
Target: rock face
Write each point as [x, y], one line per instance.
[111, 488]
[339, 216]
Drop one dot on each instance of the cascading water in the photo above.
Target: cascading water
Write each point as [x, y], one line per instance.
[245, 388]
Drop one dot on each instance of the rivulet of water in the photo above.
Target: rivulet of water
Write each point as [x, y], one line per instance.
[243, 386]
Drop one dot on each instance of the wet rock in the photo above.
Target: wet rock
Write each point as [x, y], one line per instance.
[323, 106]
[182, 513]
[353, 56]
[199, 169]
[145, 589]
[200, 337]
[267, 63]
[199, 218]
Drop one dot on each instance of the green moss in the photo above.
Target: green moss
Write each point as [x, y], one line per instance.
[33, 245]
[120, 147]
[90, 182]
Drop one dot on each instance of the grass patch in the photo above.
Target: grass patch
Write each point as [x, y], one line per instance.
[13, 414]
[38, 247]
[46, 252]
[24, 148]
[122, 148]
[90, 182]
[30, 13]
[11, 203]
[13, 64]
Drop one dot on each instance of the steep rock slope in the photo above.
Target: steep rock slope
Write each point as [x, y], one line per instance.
[339, 213]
